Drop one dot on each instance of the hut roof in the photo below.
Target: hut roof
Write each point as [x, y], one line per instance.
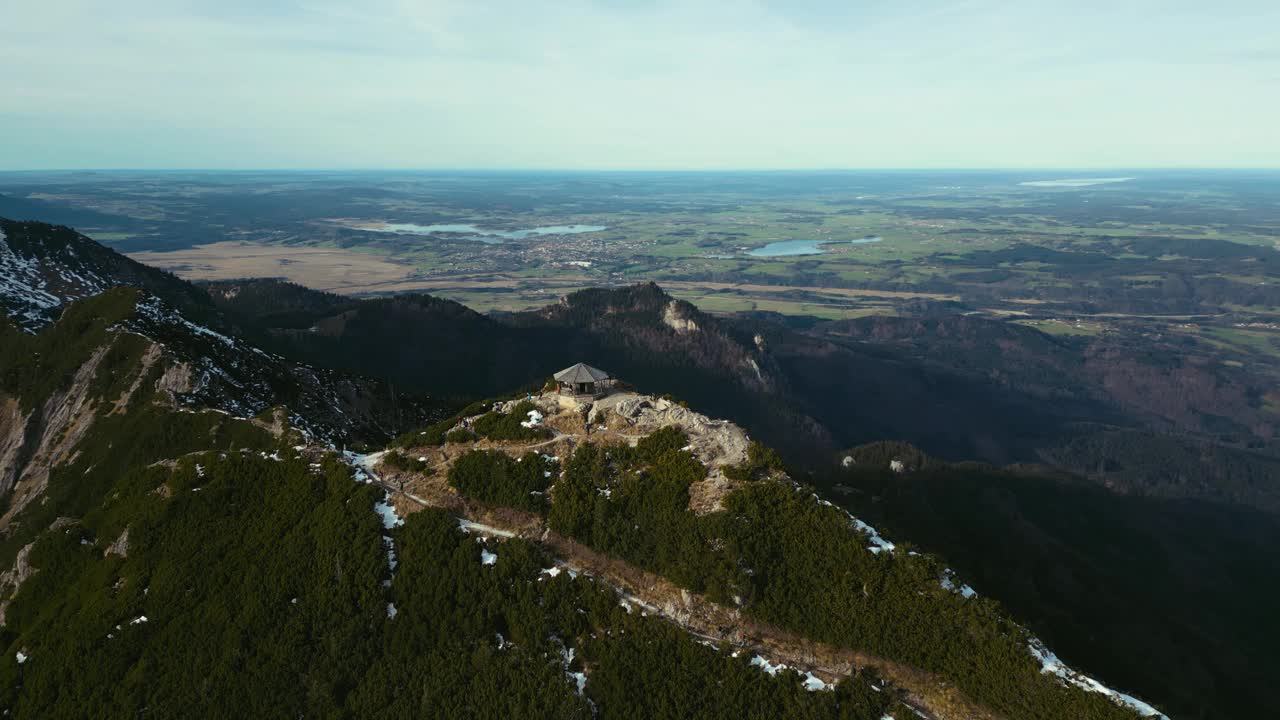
[581, 373]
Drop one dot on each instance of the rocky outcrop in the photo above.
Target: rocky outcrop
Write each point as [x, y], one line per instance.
[623, 417]
[63, 420]
[676, 319]
[13, 435]
[121, 545]
[148, 359]
[715, 442]
[12, 578]
[628, 417]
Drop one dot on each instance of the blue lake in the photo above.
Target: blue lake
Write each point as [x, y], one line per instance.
[787, 248]
[488, 235]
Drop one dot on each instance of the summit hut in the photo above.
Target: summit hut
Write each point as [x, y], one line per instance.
[582, 379]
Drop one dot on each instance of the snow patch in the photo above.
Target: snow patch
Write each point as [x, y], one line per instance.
[25, 291]
[878, 544]
[555, 570]
[487, 558]
[390, 545]
[364, 462]
[21, 657]
[469, 525]
[388, 514]
[949, 582]
[1051, 665]
[765, 665]
[151, 307]
[813, 683]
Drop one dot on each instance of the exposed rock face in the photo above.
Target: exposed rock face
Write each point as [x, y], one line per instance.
[176, 379]
[149, 358]
[276, 424]
[63, 420]
[676, 320]
[120, 546]
[13, 577]
[715, 442]
[13, 433]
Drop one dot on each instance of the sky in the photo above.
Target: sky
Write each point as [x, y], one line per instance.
[638, 84]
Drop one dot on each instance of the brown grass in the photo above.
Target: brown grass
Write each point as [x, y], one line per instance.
[331, 269]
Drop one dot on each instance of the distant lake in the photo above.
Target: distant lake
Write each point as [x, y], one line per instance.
[1076, 182]
[786, 248]
[487, 234]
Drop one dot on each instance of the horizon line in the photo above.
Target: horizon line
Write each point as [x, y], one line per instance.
[549, 169]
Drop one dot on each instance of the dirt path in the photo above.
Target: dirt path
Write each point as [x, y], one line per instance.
[714, 443]
[928, 695]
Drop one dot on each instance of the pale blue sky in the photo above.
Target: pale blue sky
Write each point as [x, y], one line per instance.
[638, 84]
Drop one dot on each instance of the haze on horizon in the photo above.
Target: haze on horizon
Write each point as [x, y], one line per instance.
[633, 84]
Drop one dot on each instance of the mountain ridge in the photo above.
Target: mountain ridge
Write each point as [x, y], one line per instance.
[956, 385]
[641, 326]
[121, 369]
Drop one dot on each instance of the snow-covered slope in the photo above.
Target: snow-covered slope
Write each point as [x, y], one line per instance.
[43, 267]
[216, 370]
[33, 289]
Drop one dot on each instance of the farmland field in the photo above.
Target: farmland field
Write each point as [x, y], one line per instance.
[1064, 253]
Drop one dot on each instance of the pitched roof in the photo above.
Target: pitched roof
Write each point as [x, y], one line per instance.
[581, 373]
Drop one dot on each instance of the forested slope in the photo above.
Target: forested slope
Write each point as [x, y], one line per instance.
[182, 562]
[1169, 597]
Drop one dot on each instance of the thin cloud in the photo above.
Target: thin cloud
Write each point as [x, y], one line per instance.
[618, 84]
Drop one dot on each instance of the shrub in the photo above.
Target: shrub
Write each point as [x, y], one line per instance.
[461, 435]
[506, 426]
[791, 561]
[652, 446]
[431, 435]
[399, 461]
[761, 461]
[495, 478]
